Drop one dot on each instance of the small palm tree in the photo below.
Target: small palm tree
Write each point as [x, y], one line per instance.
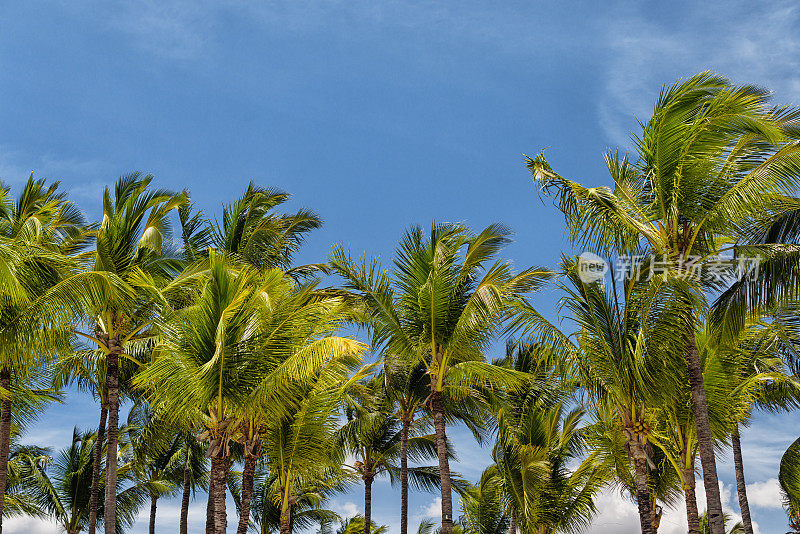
[737, 528]
[310, 496]
[789, 480]
[357, 525]
[483, 507]
[155, 449]
[195, 472]
[374, 439]
[407, 386]
[61, 487]
[442, 305]
[537, 440]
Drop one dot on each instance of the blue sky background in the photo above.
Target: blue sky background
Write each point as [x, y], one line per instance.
[377, 115]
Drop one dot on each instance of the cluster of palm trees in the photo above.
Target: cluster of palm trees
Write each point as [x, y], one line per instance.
[239, 382]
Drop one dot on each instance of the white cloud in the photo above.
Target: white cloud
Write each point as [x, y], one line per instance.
[433, 509]
[30, 525]
[348, 509]
[619, 515]
[765, 494]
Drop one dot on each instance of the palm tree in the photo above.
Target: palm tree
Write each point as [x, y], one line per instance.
[251, 232]
[309, 499]
[358, 524]
[156, 456]
[406, 386]
[374, 438]
[482, 506]
[789, 480]
[195, 472]
[246, 345]
[120, 293]
[714, 163]
[38, 232]
[301, 445]
[536, 440]
[625, 337]
[737, 528]
[61, 486]
[441, 305]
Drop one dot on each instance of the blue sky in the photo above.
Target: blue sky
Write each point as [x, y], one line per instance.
[377, 115]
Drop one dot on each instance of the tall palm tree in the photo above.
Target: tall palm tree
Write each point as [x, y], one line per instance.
[714, 162]
[442, 305]
[119, 295]
[310, 496]
[253, 233]
[39, 230]
[301, 444]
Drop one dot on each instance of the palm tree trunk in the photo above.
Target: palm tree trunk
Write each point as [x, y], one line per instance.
[692, 514]
[210, 505]
[5, 437]
[404, 477]
[98, 459]
[286, 519]
[367, 504]
[704, 438]
[248, 475]
[153, 502]
[439, 424]
[741, 486]
[187, 492]
[220, 471]
[112, 372]
[643, 493]
[512, 523]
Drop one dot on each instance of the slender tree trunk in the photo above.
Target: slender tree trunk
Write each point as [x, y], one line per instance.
[692, 513]
[153, 503]
[5, 437]
[223, 464]
[512, 523]
[96, 462]
[404, 477]
[741, 486]
[210, 505]
[112, 372]
[187, 492]
[286, 519]
[248, 475]
[704, 438]
[367, 504]
[439, 424]
[643, 493]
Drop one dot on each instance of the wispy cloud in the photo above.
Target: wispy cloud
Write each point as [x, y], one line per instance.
[750, 43]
